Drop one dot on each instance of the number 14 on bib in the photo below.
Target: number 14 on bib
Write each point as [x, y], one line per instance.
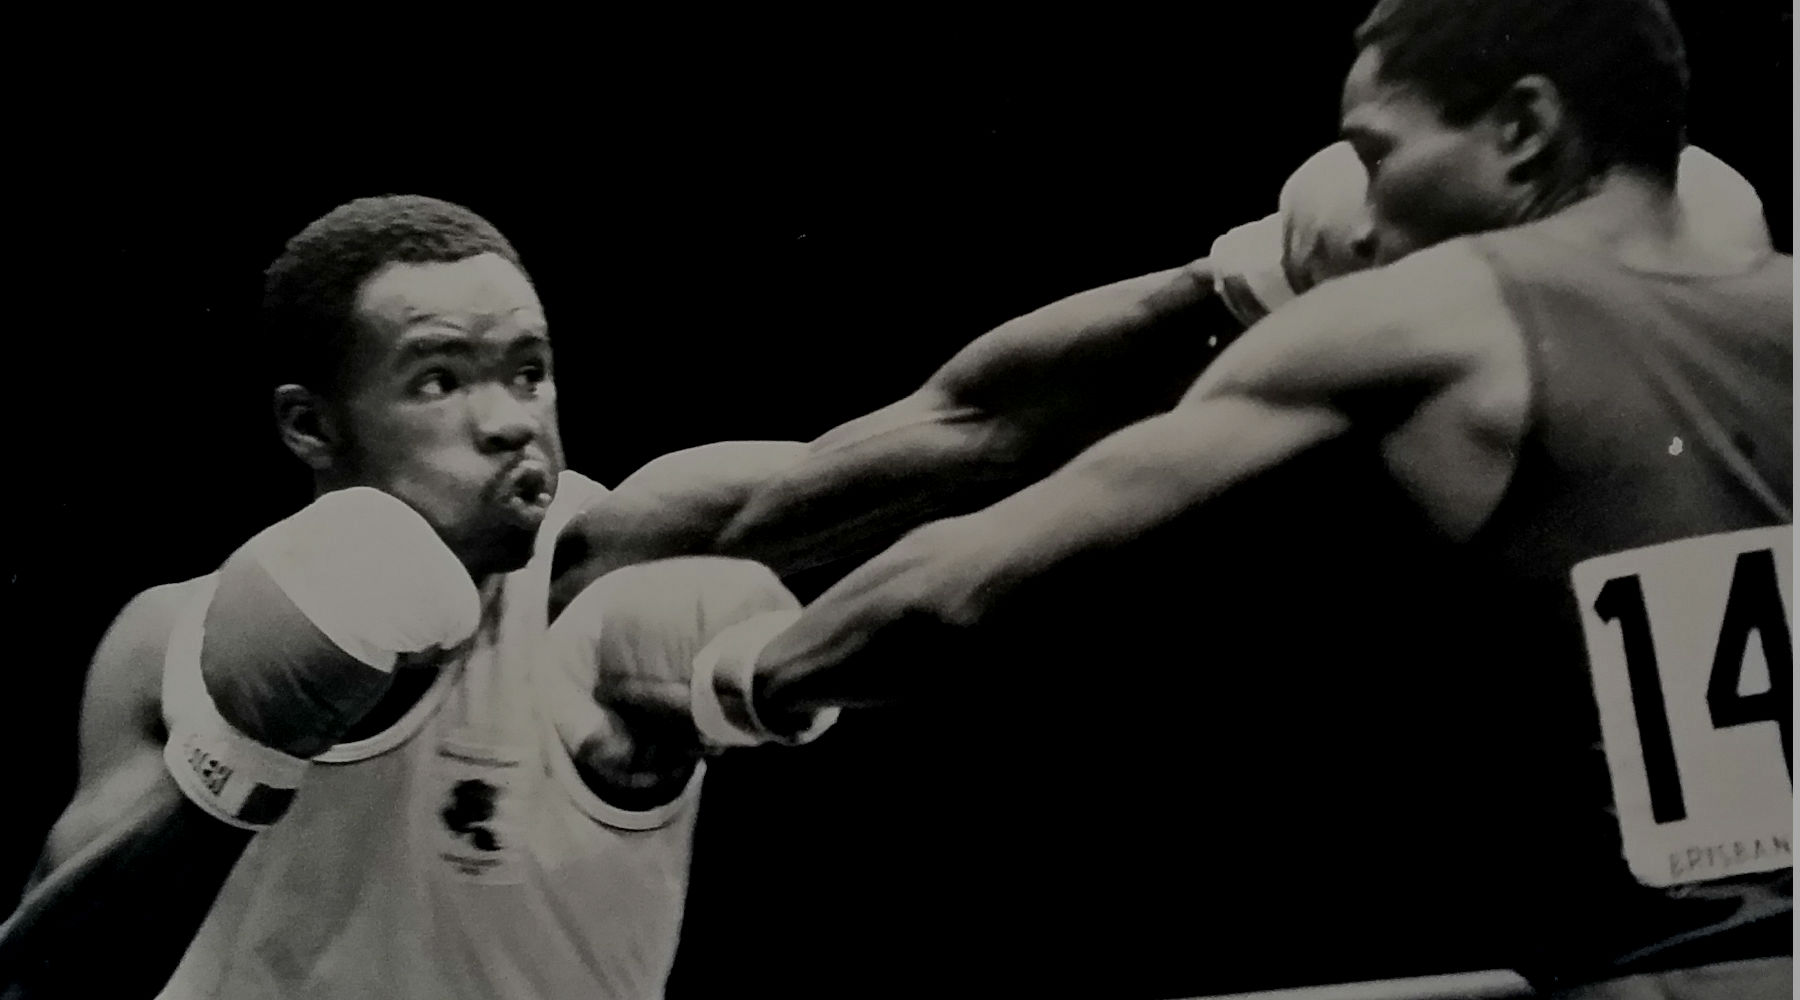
[1691, 648]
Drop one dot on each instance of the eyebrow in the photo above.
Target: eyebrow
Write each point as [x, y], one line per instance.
[436, 343]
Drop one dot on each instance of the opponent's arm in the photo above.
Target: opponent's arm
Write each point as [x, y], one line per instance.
[132, 866]
[1345, 351]
[1006, 410]
[673, 506]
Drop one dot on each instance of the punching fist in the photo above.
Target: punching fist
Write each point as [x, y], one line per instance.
[299, 638]
[623, 652]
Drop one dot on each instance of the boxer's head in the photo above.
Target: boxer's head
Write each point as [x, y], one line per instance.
[411, 355]
[1476, 114]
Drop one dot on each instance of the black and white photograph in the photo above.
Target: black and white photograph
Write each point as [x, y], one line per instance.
[1245, 502]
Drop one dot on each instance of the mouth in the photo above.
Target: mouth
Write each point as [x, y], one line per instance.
[524, 493]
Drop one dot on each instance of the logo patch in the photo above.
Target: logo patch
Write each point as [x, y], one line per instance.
[479, 801]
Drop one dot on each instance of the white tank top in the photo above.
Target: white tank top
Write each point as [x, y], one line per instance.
[446, 857]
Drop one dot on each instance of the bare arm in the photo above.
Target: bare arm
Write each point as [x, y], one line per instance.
[674, 506]
[1005, 411]
[1344, 354]
[132, 867]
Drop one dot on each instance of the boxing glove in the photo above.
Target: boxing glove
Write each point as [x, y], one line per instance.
[296, 639]
[623, 656]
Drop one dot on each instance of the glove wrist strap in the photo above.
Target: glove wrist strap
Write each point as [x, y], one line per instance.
[230, 776]
[723, 689]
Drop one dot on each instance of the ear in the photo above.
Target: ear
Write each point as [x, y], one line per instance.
[1529, 119]
[307, 427]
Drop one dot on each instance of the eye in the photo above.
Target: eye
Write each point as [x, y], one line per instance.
[1370, 148]
[435, 384]
[532, 375]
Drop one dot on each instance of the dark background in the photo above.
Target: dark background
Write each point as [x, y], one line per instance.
[759, 241]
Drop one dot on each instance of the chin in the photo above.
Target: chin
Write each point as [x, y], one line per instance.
[502, 552]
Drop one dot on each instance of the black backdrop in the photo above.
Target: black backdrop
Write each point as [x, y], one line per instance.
[756, 244]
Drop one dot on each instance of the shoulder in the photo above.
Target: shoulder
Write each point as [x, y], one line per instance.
[1425, 322]
[142, 627]
[128, 660]
[1447, 297]
[123, 695]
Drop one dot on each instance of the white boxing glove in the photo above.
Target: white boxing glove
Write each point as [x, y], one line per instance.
[297, 639]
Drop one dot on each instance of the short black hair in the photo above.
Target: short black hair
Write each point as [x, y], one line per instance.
[310, 291]
[1619, 65]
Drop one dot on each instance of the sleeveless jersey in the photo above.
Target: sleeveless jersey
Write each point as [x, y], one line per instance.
[446, 857]
[1636, 596]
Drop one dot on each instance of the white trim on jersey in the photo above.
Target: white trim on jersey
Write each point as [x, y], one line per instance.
[403, 730]
[598, 809]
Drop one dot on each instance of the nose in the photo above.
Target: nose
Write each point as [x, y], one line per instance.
[503, 421]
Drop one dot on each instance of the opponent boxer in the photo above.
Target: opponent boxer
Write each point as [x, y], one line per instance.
[1025, 397]
[1564, 379]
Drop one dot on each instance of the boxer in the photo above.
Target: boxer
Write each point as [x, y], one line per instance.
[1570, 380]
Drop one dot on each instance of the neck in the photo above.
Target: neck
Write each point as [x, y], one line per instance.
[1636, 219]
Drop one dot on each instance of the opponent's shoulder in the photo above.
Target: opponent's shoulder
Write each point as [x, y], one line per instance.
[1430, 318]
[1446, 298]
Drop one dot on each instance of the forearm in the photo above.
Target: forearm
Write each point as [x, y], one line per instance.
[848, 646]
[135, 892]
[1006, 411]
[868, 482]
[674, 506]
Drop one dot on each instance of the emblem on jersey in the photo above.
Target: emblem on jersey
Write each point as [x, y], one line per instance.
[469, 811]
[479, 797]
[1690, 644]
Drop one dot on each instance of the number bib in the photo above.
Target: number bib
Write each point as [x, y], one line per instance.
[1692, 658]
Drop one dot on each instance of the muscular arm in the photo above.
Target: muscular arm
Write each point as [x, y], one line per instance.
[1005, 411]
[1346, 353]
[674, 506]
[132, 867]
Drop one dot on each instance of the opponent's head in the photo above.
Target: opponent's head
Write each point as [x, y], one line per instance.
[1476, 114]
[411, 354]
[1324, 228]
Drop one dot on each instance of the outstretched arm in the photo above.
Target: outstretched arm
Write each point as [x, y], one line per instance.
[1343, 352]
[1004, 412]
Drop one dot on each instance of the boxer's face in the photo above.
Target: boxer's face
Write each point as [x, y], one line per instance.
[448, 404]
[1428, 181]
